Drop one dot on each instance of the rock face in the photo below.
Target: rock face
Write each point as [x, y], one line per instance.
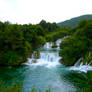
[54, 45]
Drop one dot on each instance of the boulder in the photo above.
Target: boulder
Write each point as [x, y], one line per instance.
[54, 45]
[34, 61]
[36, 54]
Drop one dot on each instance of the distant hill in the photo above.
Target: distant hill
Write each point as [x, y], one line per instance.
[74, 21]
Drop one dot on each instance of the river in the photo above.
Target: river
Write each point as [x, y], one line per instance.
[46, 73]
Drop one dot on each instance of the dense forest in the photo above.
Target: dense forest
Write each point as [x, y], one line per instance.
[74, 21]
[17, 42]
[78, 45]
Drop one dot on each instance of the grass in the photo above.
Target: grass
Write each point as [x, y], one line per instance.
[17, 88]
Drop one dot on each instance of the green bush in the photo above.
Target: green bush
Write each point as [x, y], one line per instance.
[77, 45]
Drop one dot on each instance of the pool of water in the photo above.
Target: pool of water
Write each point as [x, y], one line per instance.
[46, 73]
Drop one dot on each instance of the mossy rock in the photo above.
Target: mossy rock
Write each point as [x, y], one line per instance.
[62, 61]
[37, 54]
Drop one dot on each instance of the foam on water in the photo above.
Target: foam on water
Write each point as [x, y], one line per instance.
[48, 58]
[82, 68]
[48, 45]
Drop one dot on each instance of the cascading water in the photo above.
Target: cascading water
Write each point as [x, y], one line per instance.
[48, 56]
[42, 73]
[45, 72]
[47, 66]
[78, 63]
[80, 67]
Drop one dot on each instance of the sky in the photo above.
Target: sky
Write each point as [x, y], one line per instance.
[33, 11]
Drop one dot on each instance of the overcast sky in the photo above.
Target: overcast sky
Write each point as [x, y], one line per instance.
[33, 11]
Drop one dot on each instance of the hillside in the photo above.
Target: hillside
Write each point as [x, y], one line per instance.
[74, 21]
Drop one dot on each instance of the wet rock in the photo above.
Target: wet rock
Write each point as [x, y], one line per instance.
[54, 45]
[61, 60]
[34, 61]
[90, 63]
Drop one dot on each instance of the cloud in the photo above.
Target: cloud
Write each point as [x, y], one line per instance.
[33, 11]
[7, 10]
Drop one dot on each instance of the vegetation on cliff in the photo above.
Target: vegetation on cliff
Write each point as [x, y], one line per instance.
[78, 45]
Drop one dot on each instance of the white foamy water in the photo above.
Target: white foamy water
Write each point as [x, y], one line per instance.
[78, 63]
[82, 68]
[48, 58]
[48, 45]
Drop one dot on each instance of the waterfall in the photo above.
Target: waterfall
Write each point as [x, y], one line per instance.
[78, 63]
[80, 67]
[83, 68]
[48, 56]
[48, 45]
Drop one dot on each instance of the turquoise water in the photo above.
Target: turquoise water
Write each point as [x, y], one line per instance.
[39, 77]
[46, 73]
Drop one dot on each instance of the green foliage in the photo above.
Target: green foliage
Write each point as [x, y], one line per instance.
[39, 30]
[75, 21]
[88, 83]
[77, 45]
[59, 33]
[13, 48]
[82, 23]
[71, 51]
[48, 27]
[17, 88]
[13, 88]
[34, 34]
[17, 42]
